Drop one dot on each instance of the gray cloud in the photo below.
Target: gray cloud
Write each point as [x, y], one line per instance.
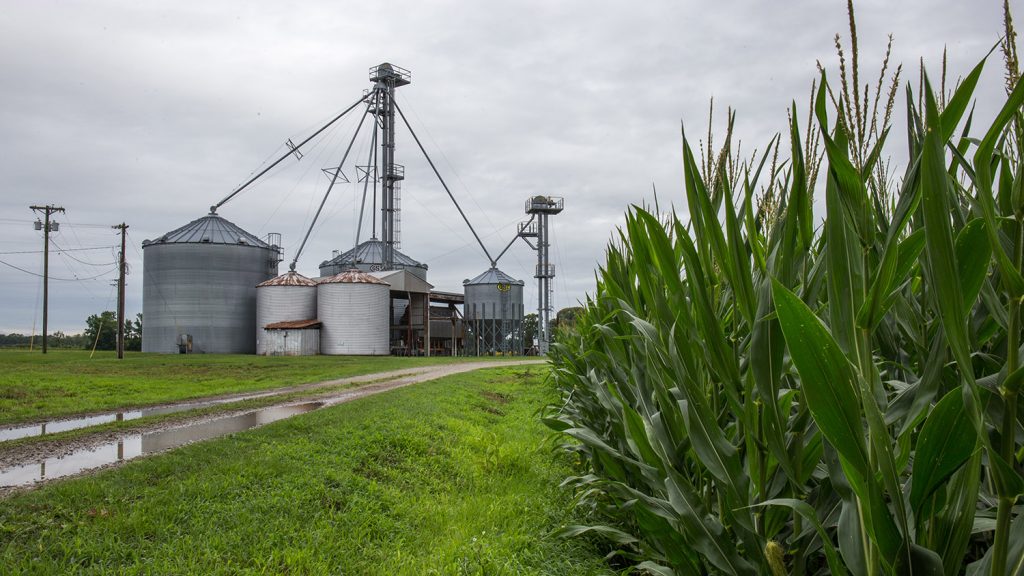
[150, 112]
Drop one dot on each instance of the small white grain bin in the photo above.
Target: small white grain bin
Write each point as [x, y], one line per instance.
[354, 309]
[285, 298]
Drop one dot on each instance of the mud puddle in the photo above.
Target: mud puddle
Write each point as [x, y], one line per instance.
[54, 426]
[135, 445]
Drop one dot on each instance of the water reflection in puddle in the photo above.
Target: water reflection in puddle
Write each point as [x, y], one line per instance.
[141, 444]
[76, 423]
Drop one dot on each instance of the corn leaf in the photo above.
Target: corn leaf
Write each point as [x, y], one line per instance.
[804, 509]
[957, 105]
[945, 443]
[973, 255]
[827, 379]
[983, 161]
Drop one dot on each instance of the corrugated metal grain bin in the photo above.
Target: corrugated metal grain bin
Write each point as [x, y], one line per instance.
[368, 257]
[290, 296]
[353, 309]
[199, 281]
[494, 313]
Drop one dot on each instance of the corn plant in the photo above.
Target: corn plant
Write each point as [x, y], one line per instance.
[757, 390]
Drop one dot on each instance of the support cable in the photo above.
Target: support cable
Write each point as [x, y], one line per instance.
[366, 185]
[513, 241]
[334, 179]
[290, 152]
[438, 174]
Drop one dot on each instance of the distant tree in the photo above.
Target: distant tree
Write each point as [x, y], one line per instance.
[566, 317]
[529, 329]
[133, 333]
[14, 340]
[74, 341]
[102, 330]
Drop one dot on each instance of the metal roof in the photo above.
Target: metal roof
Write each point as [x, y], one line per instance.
[371, 252]
[294, 324]
[404, 281]
[447, 297]
[291, 278]
[210, 229]
[352, 277]
[492, 276]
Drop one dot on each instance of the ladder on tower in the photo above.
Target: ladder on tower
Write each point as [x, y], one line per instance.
[397, 214]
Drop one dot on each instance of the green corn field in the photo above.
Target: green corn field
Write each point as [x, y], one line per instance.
[757, 388]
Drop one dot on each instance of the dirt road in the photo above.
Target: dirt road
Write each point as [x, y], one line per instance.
[24, 453]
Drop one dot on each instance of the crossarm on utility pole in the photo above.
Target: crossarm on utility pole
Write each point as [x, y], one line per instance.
[47, 210]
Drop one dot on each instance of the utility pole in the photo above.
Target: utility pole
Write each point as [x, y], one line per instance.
[47, 210]
[120, 292]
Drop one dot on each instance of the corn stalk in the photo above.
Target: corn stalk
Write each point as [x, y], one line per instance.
[755, 393]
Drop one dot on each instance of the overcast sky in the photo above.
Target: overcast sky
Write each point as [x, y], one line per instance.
[149, 112]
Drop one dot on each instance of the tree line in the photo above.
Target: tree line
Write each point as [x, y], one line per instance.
[100, 330]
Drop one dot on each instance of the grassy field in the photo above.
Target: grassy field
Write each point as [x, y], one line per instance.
[447, 477]
[64, 382]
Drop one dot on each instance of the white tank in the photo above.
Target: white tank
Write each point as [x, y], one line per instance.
[354, 309]
[287, 297]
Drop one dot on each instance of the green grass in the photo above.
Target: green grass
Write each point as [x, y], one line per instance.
[453, 476]
[65, 382]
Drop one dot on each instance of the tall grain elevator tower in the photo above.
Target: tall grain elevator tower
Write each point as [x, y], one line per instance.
[387, 77]
[539, 208]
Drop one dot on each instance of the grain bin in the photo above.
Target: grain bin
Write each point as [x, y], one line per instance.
[288, 297]
[353, 308]
[199, 285]
[369, 257]
[494, 314]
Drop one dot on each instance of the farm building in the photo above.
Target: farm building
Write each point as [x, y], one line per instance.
[294, 338]
[212, 287]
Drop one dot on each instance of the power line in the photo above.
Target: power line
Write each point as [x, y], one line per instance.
[9, 265]
[20, 221]
[59, 250]
[16, 220]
